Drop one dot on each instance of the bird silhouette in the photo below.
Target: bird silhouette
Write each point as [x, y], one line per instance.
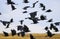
[49, 10]
[13, 7]
[20, 27]
[23, 34]
[53, 27]
[34, 4]
[26, 29]
[24, 11]
[50, 20]
[26, 1]
[26, 7]
[42, 17]
[13, 32]
[10, 2]
[57, 23]
[43, 6]
[31, 36]
[0, 13]
[33, 17]
[5, 33]
[49, 34]
[21, 22]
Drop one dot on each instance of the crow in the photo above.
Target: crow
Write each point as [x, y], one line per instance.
[49, 10]
[21, 22]
[57, 23]
[26, 1]
[25, 8]
[50, 20]
[42, 17]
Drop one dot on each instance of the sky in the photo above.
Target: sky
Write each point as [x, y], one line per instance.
[17, 15]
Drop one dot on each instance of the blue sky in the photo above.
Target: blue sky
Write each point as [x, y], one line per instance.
[17, 14]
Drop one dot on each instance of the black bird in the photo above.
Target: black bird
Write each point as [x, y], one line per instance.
[49, 10]
[25, 8]
[5, 33]
[10, 2]
[21, 22]
[9, 23]
[13, 32]
[42, 17]
[0, 14]
[26, 29]
[46, 28]
[34, 4]
[33, 17]
[50, 20]
[31, 36]
[49, 34]
[26, 1]
[57, 23]
[53, 27]
[20, 28]
[13, 7]
[25, 12]
[23, 34]
[43, 6]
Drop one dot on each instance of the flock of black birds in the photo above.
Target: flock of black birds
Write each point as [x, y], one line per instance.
[33, 18]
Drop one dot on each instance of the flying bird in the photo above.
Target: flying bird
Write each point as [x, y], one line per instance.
[25, 12]
[13, 7]
[33, 17]
[21, 22]
[43, 6]
[10, 2]
[57, 23]
[26, 29]
[46, 28]
[0, 14]
[53, 27]
[49, 10]
[26, 7]
[13, 32]
[49, 34]
[23, 34]
[20, 28]
[5, 33]
[31, 36]
[50, 20]
[42, 17]
[34, 4]
[26, 1]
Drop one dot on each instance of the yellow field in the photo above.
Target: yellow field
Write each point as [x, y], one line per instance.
[27, 36]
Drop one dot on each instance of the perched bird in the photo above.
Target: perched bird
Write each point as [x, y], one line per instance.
[50, 20]
[25, 12]
[42, 17]
[13, 7]
[26, 7]
[13, 32]
[57, 23]
[31, 36]
[5, 33]
[43, 6]
[53, 27]
[20, 28]
[26, 1]
[26, 29]
[49, 10]
[34, 4]
[21, 22]
[10, 2]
